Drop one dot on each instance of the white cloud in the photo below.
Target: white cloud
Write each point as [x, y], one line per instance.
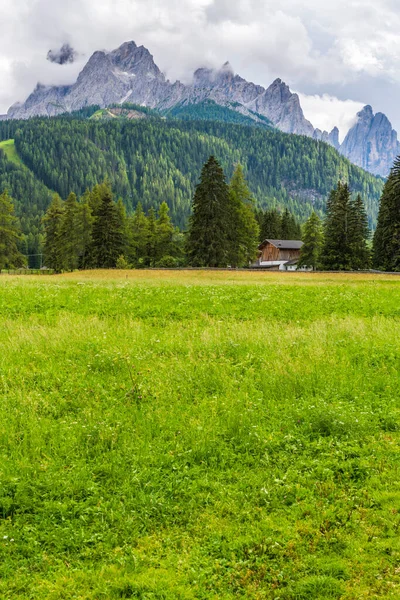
[326, 112]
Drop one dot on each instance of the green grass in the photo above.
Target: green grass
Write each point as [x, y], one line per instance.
[199, 436]
[8, 146]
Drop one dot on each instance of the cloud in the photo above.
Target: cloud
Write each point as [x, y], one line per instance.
[66, 54]
[326, 112]
[315, 47]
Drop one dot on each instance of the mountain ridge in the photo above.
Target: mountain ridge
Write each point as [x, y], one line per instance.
[130, 74]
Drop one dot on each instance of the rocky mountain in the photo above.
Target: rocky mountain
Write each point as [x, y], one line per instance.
[371, 143]
[129, 74]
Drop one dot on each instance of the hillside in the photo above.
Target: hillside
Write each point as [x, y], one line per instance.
[152, 159]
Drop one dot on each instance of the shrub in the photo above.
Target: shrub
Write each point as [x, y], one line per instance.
[167, 262]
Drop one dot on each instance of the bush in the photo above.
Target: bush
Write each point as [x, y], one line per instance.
[167, 262]
[122, 263]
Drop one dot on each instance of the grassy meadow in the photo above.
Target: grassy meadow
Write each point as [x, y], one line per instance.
[199, 435]
[8, 147]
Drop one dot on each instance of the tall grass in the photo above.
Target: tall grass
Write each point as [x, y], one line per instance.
[179, 436]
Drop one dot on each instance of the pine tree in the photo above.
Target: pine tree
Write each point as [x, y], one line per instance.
[359, 235]
[290, 229]
[313, 240]
[209, 226]
[386, 247]
[138, 233]
[53, 244]
[244, 230]
[108, 234]
[336, 253]
[84, 228]
[164, 245]
[69, 234]
[10, 235]
[123, 222]
[271, 226]
[151, 238]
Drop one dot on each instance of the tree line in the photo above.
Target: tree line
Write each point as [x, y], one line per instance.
[94, 231]
[342, 241]
[224, 229]
[155, 160]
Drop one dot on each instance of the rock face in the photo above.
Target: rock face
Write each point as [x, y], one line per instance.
[129, 74]
[371, 143]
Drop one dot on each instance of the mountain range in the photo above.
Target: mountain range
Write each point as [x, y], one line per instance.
[130, 75]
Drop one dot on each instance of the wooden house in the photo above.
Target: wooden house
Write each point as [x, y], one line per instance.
[279, 255]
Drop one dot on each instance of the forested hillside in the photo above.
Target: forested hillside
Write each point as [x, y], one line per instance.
[156, 160]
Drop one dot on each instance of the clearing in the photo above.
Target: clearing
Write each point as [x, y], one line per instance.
[199, 435]
[8, 146]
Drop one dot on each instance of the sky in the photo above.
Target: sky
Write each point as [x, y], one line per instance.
[337, 55]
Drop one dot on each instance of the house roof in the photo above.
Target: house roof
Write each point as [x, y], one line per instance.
[283, 244]
[292, 262]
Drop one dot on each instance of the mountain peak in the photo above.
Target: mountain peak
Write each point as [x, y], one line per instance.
[227, 67]
[366, 114]
[126, 47]
[372, 142]
[130, 74]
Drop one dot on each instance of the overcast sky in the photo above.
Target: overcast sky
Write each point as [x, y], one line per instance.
[338, 55]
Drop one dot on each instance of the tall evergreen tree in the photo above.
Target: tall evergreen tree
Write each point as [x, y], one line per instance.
[386, 246]
[359, 235]
[53, 243]
[138, 234]
[244, 232]
[209, 226]
[290, 229]
[85, 227]
[123, 221]
[271, 226]
[164, 234]
[108, 233]
[313, 240]
[151, 238]
[10, 235]
[70, 235]
[336, 254]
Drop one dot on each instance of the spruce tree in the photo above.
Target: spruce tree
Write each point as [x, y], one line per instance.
[151, 238]
[386, 246]
[244, 230]
[108, 233]
[84, 228]
[359, 235]
[164, 234]
[336, 253]
[123, 222]
[271, 226]
[69, 234]
[53, 243]
[10, 235]
[313, 239]
[208, 239]
[290, 229]
[138, 234]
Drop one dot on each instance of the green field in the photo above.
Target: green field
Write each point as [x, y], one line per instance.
[8, 146]
[199, 435]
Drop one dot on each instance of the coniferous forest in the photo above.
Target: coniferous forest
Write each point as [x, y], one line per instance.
[155, 160]
[86, 192]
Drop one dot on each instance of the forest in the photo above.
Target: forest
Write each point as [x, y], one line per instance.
[156, 160]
